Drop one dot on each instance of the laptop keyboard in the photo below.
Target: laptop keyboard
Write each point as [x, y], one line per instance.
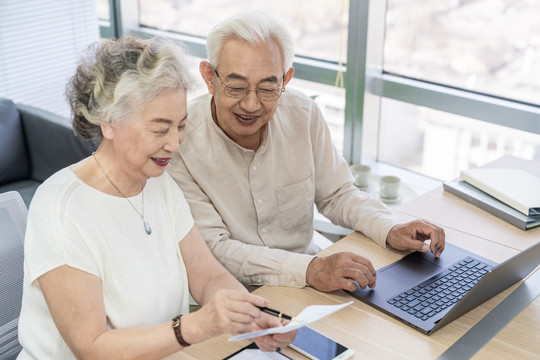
[442, 290]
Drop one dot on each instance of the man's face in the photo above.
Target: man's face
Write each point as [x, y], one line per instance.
[245, 66]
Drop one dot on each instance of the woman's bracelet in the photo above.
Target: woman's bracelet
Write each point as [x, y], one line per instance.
[178, 331]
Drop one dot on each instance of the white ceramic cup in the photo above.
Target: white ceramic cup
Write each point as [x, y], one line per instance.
[389, 187]
[361, 175]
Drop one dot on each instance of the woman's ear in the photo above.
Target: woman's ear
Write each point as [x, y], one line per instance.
[207, 72]
[107, 131]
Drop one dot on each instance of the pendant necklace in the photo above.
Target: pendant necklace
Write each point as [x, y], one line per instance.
[147, 227]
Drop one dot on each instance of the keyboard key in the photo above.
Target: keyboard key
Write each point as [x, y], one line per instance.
[426, 311]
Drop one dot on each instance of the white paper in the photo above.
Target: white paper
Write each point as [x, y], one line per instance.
[309, 315]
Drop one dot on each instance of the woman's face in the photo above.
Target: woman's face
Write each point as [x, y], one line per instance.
[145, 142]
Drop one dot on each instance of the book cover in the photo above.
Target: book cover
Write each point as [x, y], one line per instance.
[514, 187]
[490, 204]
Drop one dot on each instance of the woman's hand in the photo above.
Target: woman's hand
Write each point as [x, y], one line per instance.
[228, 311]
[274, 341]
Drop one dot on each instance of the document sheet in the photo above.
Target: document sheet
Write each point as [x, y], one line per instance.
[309, 315]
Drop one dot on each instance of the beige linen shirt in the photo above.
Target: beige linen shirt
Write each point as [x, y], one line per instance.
[255, 208]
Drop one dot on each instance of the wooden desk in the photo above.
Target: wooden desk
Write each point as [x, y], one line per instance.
[374, 335]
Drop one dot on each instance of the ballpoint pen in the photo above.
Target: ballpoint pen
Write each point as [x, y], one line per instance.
[277, 313]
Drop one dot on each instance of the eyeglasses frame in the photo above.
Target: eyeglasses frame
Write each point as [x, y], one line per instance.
[224, 85]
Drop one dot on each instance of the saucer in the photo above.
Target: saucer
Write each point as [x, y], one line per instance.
[392, 200]
[371, 188]
[364, 188]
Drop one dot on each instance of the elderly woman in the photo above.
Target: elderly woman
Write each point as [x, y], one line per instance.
[111, 250]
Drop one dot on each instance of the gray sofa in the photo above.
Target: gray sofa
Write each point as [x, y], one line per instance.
[34, 144]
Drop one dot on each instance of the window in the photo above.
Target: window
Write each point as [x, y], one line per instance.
[40, 44]
[486, 46]
[103, 10]
[416, 72]
[440, 144]
[315, 24]
[459, 84]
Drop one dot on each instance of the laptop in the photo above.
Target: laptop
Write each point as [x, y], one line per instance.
[427, 293]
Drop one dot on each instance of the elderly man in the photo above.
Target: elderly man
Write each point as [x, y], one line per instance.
[255, 160]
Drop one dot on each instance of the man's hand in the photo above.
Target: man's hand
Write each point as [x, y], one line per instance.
[412, 236]
[338, 271]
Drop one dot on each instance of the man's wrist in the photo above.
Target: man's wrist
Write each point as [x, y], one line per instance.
[309, 271]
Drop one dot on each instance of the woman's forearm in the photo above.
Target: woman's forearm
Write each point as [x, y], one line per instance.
[152, 342]
[224, 280]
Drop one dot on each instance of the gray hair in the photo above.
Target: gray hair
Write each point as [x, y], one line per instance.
[117, 77]
[253, 27]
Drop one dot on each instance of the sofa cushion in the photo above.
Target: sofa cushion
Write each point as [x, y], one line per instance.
[14, 164]
[52, 145]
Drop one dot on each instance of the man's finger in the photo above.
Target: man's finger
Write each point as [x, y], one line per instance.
[361, 275]
[349, 285]
[363, 261]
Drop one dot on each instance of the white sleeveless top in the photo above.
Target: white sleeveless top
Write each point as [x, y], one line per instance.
[144, 277]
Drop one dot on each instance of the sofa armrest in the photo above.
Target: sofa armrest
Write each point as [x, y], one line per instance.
[51, 143]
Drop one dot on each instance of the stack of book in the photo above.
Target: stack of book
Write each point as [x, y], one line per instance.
[510, 194]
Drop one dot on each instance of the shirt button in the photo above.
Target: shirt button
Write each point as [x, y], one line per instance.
[263, 230]
[254, 167]
[259, 201]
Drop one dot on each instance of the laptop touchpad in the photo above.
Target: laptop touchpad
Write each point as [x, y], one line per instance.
[408, 270]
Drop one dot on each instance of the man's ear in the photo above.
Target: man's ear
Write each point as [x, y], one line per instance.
[288, 76]
[207, 72]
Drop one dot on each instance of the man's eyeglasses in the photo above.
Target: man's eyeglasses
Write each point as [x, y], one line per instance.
[237, 92]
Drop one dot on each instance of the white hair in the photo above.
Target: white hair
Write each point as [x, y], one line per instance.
[253, 27]
[117, 77]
